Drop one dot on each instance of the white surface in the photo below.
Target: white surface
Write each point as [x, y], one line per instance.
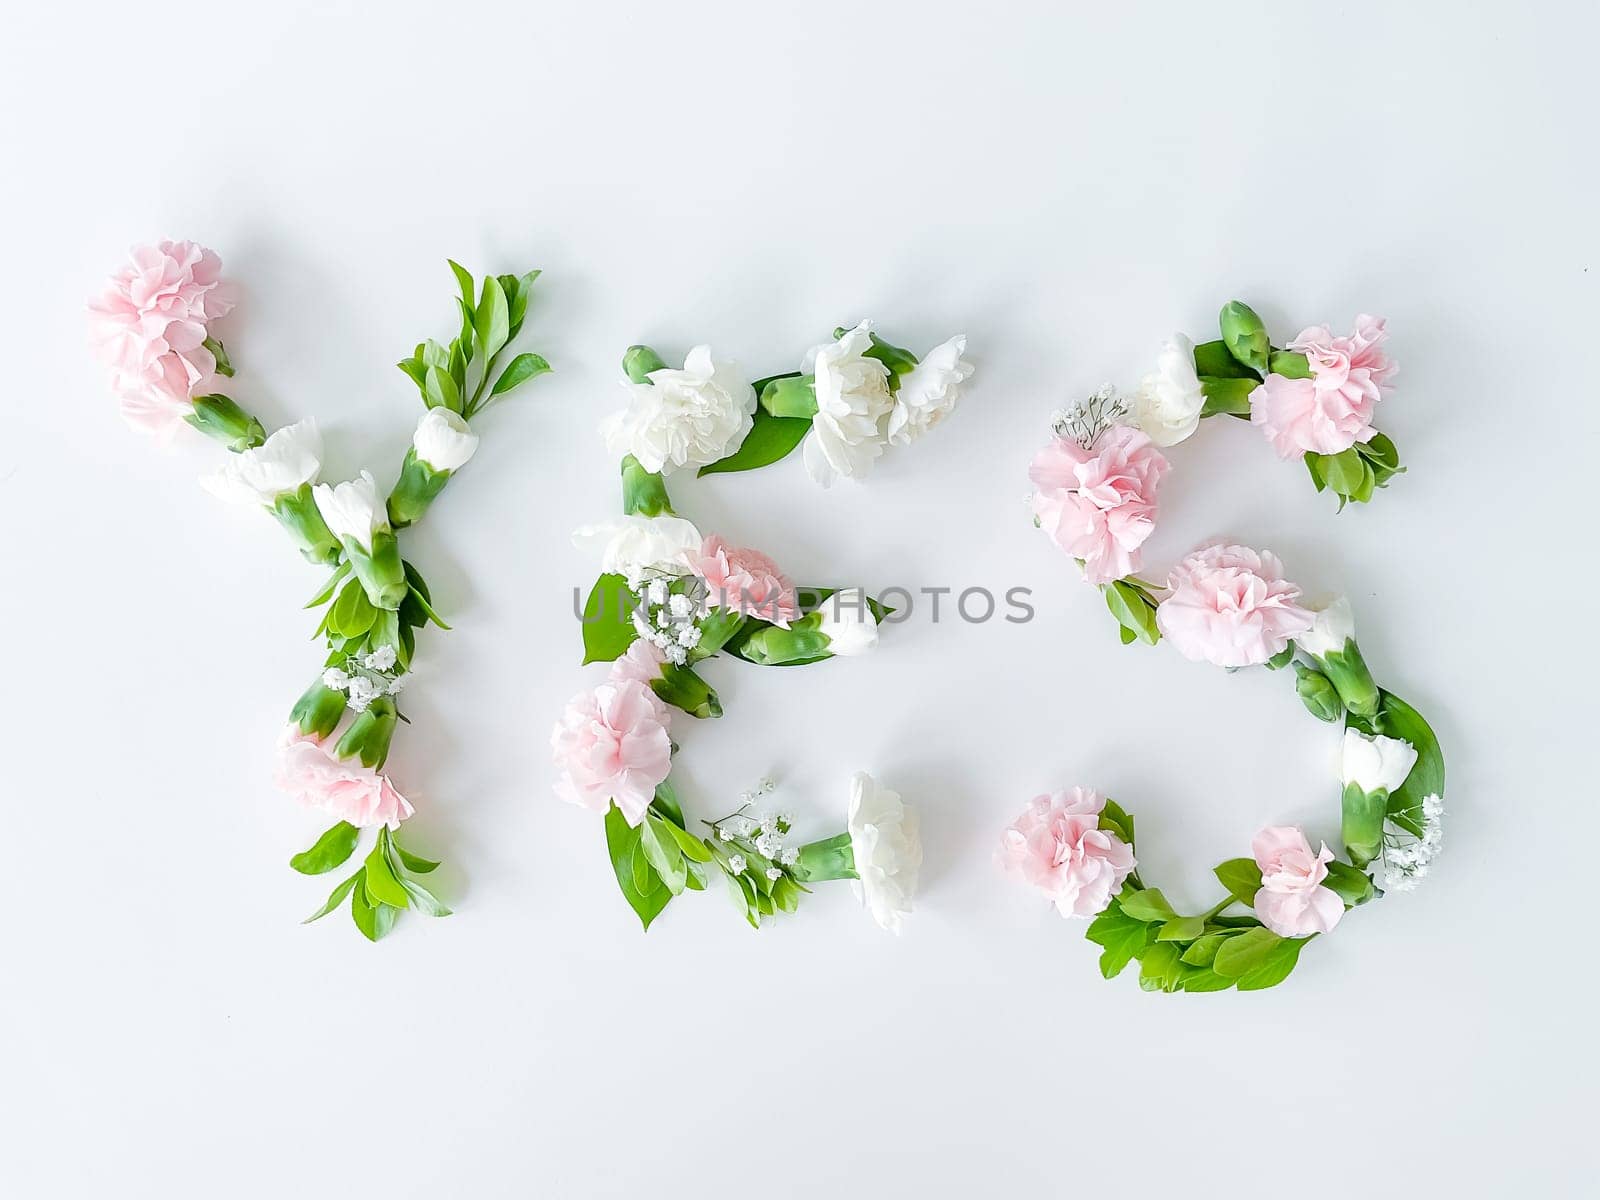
[1066, 189]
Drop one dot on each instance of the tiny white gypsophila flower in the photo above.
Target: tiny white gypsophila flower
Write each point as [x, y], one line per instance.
[380, 659]
[769, 822]
[768, 845]
[789, 857]
[774, 874]
[736, 863]
[689, 636]
[724, 833]
[362, 690]
[679, 604]
[661, 618]
[398, 682]
[676, 655]
[336, 679]
[656, 593]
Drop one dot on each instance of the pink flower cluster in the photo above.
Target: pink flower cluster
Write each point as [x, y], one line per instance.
[1099, 505]
[1331, 411]
[151, 323]
[1292, 901]
[1057, 845]
[1231, 606]
[745, 581]
[347, 790]
[612, 743]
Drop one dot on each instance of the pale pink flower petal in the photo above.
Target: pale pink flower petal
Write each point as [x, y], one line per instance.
[1057, 845]
[1231, 606]
[745, 581]
[346, 790]
[612, 744]
[1099, 505]
[1333, 410]
[1292, 901]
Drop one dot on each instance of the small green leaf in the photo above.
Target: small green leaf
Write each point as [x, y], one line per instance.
[352, 613]
[1202, 979]
[413, 862]
[1147, 905]
[1242, 878]
[325, 593]
[518, 371]
[1181, 929]
[1161, 968]
[1291, 364]
[440, 390]
[607, 623]
[1118, 819]
[426, 608]
[693, 848]
[1398, 719]
[770, 439]
[1344, 472]
[661, 850]
[622, 841]
[465, 283]
[1213, 360]
[423, 900]
[1350, 884]
[1244, 952]
[335, 898]
[491, 323]
[382, 883]
[331, 850]
[1227, 396]
[1275, 967]
[365, 914]
[1203, 951]
[1132, 609]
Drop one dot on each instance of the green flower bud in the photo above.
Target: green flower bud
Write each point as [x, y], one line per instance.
[318, 710]
[790, 396]
[772, 646]
[1361, 825]
[1331, 640]
[644, 493]
[418, 486]
[221, 419]
[639, 361]
[379, 569]
[369, 734]
[1245, 335]
[299, 515]
[682, 688]
[1317, 693]
[833, 858]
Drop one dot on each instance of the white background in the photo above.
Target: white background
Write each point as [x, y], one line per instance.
[1067, 188]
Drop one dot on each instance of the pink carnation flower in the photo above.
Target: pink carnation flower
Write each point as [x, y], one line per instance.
[1099, 505]
[612, 744]
[1331, 411]
[348, 790]
[1231, 606]
[1057, 845]
[151, 323]
[641, 663]
[745, 581]
[1292, 901]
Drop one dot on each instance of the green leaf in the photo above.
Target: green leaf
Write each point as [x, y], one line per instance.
[423, 900]
[1344, 472]
[1227, 396]
[373, 919]
[425, 606]
[607, 626]
[491, 323]
[1161, 968]
[1242, 878]
[464, 282]
[352, 613]
[1275, 967]
[1203, 951]
[1118, 820]
[1181, 929]
[662, 852]
[770, 439]
[325, 593]
[1291, 364]
[1121, 937]
[1313, 462]
[1350, 884]
[1398, 719]
[1202, 979]
[382, 883]
[335, 898]
[1132, 609]
[413, 862]
[439, 389]
[1147, 905]
[518, 371]
[1380, 451]
[622, 841]
[1245, 952]
[331, 850]
[1213, 360]
[693, 848]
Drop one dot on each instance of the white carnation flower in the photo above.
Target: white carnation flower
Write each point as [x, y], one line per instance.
[1330, 629]
[1170, 398]
[853, 401]
[352, 509]
[1376, 763]
[848, 622]
[635, 547]
[929, 391]
[285, 462]
[444, 440]
[887, 848]
[686, 418]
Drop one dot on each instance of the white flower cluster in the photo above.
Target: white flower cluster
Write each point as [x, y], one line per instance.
[669, 620]
[1406, 861]
[764, 834]
[368, 678]
[1085, 421]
